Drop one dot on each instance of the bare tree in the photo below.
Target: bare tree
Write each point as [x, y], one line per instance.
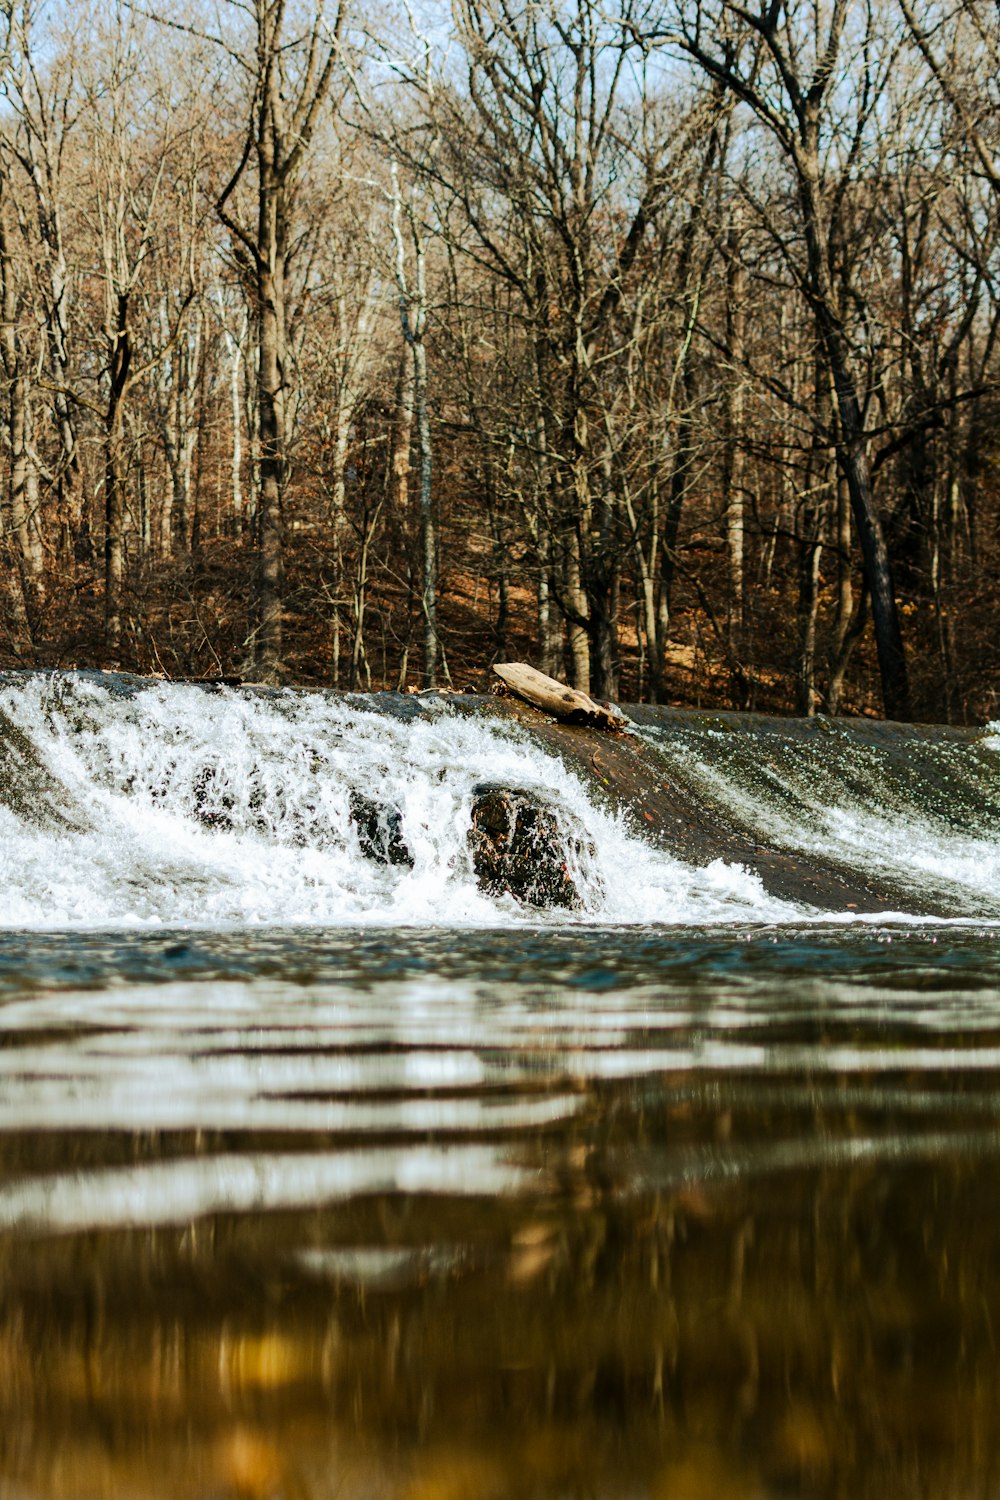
[17, 357]
[791, 72]
[132, 130]
[533, 156]
[45, 102]
[961, 47]
[345, 331]
[176, 311]
[410, 240]
[289, 76]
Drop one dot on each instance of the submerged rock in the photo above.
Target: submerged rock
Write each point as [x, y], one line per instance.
[519, 848]
[213, 800]
[380, 831]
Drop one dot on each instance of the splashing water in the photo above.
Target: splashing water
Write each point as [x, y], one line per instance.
[169, 805]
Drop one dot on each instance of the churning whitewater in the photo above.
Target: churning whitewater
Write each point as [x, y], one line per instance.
[163, 804]
[130, 803]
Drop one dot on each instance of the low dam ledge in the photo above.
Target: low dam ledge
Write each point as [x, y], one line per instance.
[676, 812]
[840, 815]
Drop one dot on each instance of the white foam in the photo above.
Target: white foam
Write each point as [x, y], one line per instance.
[138, 776]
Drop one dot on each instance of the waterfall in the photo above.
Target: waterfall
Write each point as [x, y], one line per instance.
[129, 803]
[124, 803]
[917, 806]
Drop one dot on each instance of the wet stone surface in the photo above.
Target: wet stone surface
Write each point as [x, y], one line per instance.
[675, 811]
[380, 831]
[519, 848]
[213, 801]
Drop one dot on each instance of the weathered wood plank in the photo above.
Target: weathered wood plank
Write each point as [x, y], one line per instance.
[555, 698]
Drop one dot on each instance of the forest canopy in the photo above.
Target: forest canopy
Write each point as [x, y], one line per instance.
[654, 344]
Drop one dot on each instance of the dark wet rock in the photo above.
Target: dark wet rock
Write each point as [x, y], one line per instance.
[380, 831]
[520, 849]
[213, 801]
[217, 683]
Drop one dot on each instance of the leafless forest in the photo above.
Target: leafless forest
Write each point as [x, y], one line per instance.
[654, 344]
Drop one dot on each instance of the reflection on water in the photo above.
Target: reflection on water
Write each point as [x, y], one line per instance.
[660, 1213]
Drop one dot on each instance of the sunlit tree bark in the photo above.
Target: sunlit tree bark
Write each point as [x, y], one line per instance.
[290, 77]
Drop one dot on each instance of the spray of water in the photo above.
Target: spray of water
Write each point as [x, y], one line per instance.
[167, 805]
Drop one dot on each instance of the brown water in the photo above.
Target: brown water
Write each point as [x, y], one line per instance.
[596, 1213]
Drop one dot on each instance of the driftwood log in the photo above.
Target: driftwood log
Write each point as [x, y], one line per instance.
[555, 698]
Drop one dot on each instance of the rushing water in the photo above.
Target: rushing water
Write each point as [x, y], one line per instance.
[320, 1178]
[172, 805]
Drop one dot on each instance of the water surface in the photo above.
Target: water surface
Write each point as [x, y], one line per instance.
[593, 1211]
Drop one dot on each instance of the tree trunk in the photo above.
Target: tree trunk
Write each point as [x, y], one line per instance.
[358, 657]
[844, 638]
[235, 350]
[603, 641]
[498, 538]
[853, 448]
[733, 464]
[72, 510]
[69, 481]
[603, 583]
[428, 546]
[402, 432]
[812, 551]
[119, 364]
[267, 651]
[549, 624]
[24, 480]
[23, 491]
[338, 521]
[575, 600]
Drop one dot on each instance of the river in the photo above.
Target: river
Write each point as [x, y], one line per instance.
[320, 1178]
